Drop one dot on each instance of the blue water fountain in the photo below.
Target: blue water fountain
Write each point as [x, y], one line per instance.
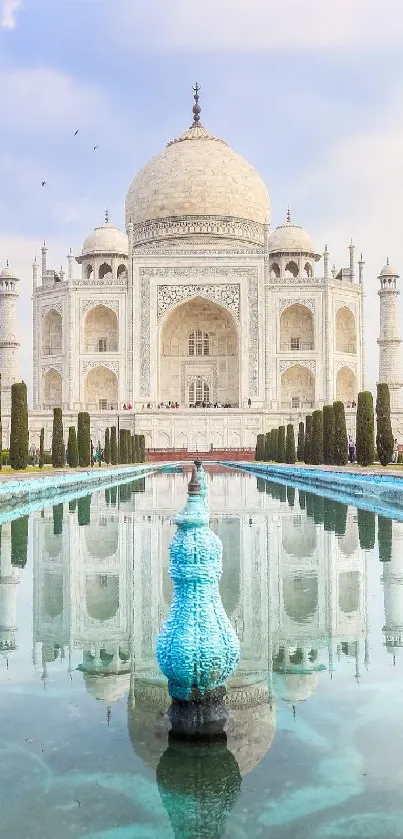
[197, 648]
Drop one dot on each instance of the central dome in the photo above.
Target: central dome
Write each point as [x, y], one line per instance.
[197, 174]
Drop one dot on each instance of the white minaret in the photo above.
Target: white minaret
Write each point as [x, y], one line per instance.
[9, 343]
[392, 579]
[389, 340]
[9, 581]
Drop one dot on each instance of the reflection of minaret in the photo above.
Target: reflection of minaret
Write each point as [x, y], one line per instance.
[392, 578]
[9, 580]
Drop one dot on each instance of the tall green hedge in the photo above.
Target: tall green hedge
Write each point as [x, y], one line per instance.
[267, 447]
[385, 538]
[308, 438]
[122, 446]
[84, 510]
[19, 426]
[281, 445]
[107, 447]
[274, 443]
[290, 444]
[364, 442]
[72, 448]
[328, 434]
[57, 519]
[301, 442]
[317, 438]
[384, 434]
[84, 439]
[142, 448]
[366, 529]
[58, 447]
[41, 448]
[114, 446]
[340, 450]
[19, 541]
[259, 451]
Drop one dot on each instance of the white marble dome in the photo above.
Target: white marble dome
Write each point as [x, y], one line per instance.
[106, 239]
[8, 274]
[291, 238]
[388, 271]
[197, 174]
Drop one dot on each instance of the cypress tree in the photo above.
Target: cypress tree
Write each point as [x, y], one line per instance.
[385, 539]
[301, 498]
[125, 492]
[317, 437]
[19, 426]
[260, 485]
[260, 446]
[291, 496]
[340, 517]
[274, 443]
[139, 485]
[128, 446]
[113, 496]
[267, 447]
[84, 439]
[281, 445]
[301, 442]
[58, 447]
[99, 453]
[308, 438]
[328, 434]
[290, 445]
[41, 447]
[340, 449]
[365, 429]
[107, 447]
[384, 434]
[366, 529]
[142, 447]
[138, 449]
[84, 510]
[57, 519]
[133, 448]
[72, 505]
[114, 446]
[19, 541]
[122, 446]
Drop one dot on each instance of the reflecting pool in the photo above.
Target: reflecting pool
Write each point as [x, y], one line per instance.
[314, 590]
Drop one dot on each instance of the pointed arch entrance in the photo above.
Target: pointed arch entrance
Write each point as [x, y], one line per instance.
[199, 355]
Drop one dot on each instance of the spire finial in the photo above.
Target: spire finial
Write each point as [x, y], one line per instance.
[288, 215]
[196, 106]
[106, 217]
[387, 260]
[7, 265]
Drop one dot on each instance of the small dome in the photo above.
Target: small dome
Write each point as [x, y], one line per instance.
[295, 687]
[388, 271]
[197, 174]
[108, 688]
[106, 239]
[291, 238]
[8, 274]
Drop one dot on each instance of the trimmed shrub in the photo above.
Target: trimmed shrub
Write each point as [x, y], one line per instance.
[84, 439]
[308, 438]
[301, 441]
[340, 450]
[364, 445]
[58, 447]
[84, 510]
[142, 447]
[19, 426]
[281, 445]
[385, 539]
[114, 446]
[122, 445]
[259, 450]
[107, 447]
[366, 529]
[384, 434]
[72, 448]
[290, 444]
[274, 443]
[267, 447]
[317, 437]
[57, 519]
[328, 434]
[41, 447]
[99, 453]
[19, 541]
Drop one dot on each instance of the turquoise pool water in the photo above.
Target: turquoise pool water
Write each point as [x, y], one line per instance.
[314, 589]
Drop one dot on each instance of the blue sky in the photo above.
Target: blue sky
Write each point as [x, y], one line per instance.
[309, 92]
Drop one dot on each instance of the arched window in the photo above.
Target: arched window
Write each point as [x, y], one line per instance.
[274, 270]
[122, 271]
[199, 392]
[89, 271]
[199, 343]
[291, 269]
[104, 271]
[308, 269]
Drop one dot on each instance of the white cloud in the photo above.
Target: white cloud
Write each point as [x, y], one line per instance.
[7, 10]
[265, 24]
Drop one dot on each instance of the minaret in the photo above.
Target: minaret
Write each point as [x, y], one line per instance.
[389, 340]
[392, 579]
[9, 581]
[9, 343]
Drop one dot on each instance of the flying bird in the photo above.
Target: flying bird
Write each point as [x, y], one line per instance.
[43, 183]
[95, 147]
[76, 132]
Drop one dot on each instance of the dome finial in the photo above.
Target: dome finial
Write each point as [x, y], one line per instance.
[196, 106]
[288, 215]
[7, 265]
[387, 260]
[106, 217]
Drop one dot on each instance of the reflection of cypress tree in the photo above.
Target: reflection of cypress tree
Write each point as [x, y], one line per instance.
[318, 509]
[340, 518]
[366, 529]
[19, 541]
[114, 495]
[84, 510]
[260, 484]
[199, 784]
[139, 485]
[302, 498]
[310, 504]
[107, 496]
[282, 493]
[385, 538]
[328, 514]
[124, 492]
[72, 505]
[291, 496]
[57, 519]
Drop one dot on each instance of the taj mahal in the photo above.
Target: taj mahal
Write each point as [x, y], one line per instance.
[201, 305]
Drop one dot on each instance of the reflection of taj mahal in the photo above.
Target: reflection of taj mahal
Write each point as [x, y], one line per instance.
[201, 303]
[295, 592]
